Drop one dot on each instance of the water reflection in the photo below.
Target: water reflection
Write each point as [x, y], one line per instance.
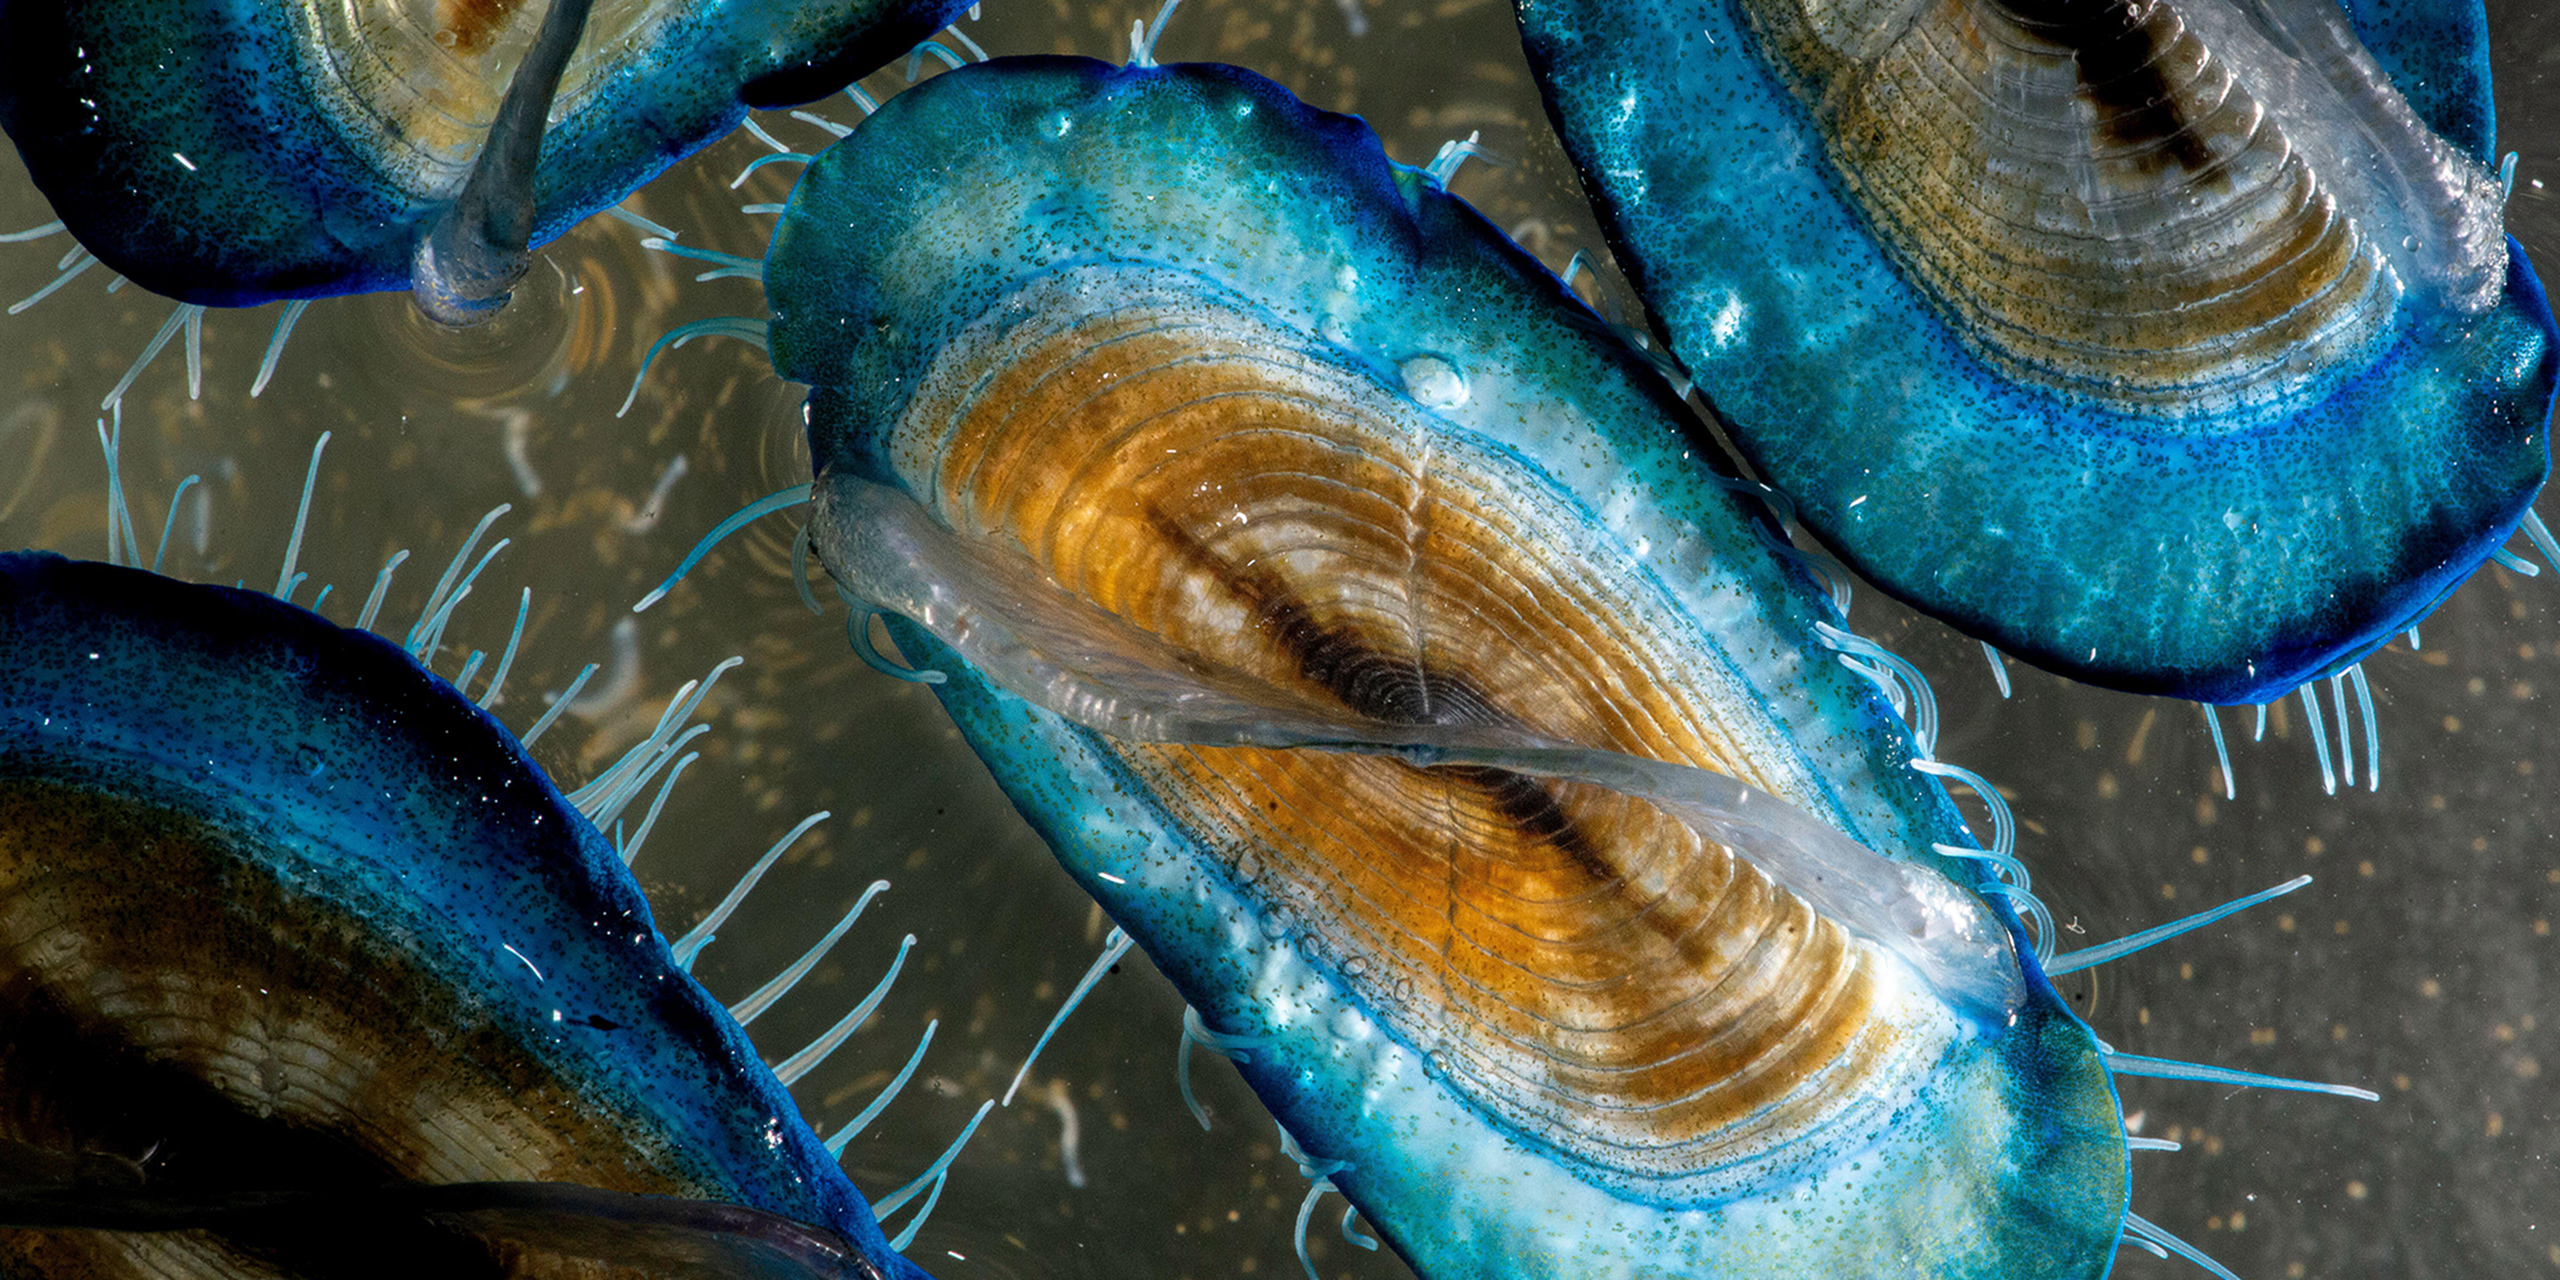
[2421, 963]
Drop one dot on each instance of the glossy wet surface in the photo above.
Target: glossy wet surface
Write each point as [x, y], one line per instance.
[2421, 963]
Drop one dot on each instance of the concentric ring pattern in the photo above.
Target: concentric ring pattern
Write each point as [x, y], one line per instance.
[1575, 960]
[2165, 214]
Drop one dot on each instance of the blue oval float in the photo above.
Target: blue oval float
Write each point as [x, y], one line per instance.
[2173, 347]
[1349, 610]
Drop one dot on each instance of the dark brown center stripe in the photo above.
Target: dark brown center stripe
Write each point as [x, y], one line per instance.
[2094, 197]
[471, 26]
[2120, 47]
[1585, 967]
[1381, 686]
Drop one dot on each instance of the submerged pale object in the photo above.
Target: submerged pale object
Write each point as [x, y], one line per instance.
[1351, 613]
[305, 969]
[2174, 346]
[233, 152]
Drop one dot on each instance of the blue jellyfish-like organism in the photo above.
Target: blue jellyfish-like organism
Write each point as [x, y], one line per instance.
[2175, 346]
[1348, 607]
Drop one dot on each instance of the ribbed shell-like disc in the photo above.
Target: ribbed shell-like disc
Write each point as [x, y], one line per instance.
[1217, 462]
[234, 1028]
[417, 84]
[2103, 199]
[1578, 962]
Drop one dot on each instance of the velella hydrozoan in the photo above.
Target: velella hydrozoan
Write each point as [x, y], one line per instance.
[230, 152]
[368, 953]
[1190, 442]
[2172, 346]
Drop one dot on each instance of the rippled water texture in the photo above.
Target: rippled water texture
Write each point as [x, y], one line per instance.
[2421, 963]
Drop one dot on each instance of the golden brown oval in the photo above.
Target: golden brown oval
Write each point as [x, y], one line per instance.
[1576, 961]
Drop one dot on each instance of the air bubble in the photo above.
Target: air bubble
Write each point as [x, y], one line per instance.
[1434, 383]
